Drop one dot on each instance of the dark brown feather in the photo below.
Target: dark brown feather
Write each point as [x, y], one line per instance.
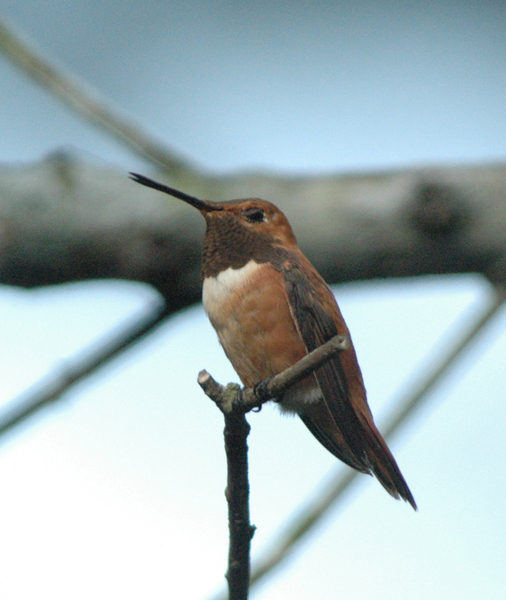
[363, 447]
[318, 419]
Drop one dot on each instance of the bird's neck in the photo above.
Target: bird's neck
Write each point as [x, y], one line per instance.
[228, 244]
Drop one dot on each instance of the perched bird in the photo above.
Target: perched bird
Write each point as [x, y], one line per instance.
[270, 307]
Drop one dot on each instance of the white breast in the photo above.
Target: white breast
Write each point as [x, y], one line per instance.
[217, 290]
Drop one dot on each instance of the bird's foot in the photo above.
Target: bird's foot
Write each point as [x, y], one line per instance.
[261, 391]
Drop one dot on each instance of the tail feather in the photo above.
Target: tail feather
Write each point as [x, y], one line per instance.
[384, 466]
[317, 418]
[373, 458]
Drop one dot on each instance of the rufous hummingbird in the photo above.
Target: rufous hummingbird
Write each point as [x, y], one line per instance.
[270, 307]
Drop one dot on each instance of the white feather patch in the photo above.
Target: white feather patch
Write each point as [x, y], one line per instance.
[216, 289]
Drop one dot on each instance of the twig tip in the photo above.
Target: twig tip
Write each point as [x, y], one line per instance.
[203, 377]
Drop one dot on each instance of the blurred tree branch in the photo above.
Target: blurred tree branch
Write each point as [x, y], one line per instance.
[64, 220]
[57, 384]
[86, 102]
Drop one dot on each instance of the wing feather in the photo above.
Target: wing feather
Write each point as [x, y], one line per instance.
[355, 439]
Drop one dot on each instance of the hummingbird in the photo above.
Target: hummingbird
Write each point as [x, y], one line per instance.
[270, 307]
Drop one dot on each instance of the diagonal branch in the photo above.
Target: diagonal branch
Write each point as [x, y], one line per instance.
[57, 384]
[83, 100]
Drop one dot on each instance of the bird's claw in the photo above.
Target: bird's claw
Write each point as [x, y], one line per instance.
[261, 391]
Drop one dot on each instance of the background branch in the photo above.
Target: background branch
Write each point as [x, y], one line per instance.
[56, 385]
[64, 220]
[417, 221]
[87, 103]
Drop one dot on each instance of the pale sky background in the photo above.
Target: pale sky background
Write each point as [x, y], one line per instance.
[118, 491]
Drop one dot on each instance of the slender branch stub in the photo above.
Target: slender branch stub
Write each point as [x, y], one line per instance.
[225, 398]
[233, 397]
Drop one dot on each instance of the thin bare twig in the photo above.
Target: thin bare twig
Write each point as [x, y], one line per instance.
[318, 507]
[234, 402]
[57, 384]
[87, 103]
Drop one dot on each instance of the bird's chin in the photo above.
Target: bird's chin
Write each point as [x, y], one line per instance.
[297, 398]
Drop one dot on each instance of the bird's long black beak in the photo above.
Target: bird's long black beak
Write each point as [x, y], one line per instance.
[202, 205]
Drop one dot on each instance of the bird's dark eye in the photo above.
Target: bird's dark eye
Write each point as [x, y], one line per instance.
[254, 215]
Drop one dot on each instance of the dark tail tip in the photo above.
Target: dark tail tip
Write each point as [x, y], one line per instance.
[390, 477]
